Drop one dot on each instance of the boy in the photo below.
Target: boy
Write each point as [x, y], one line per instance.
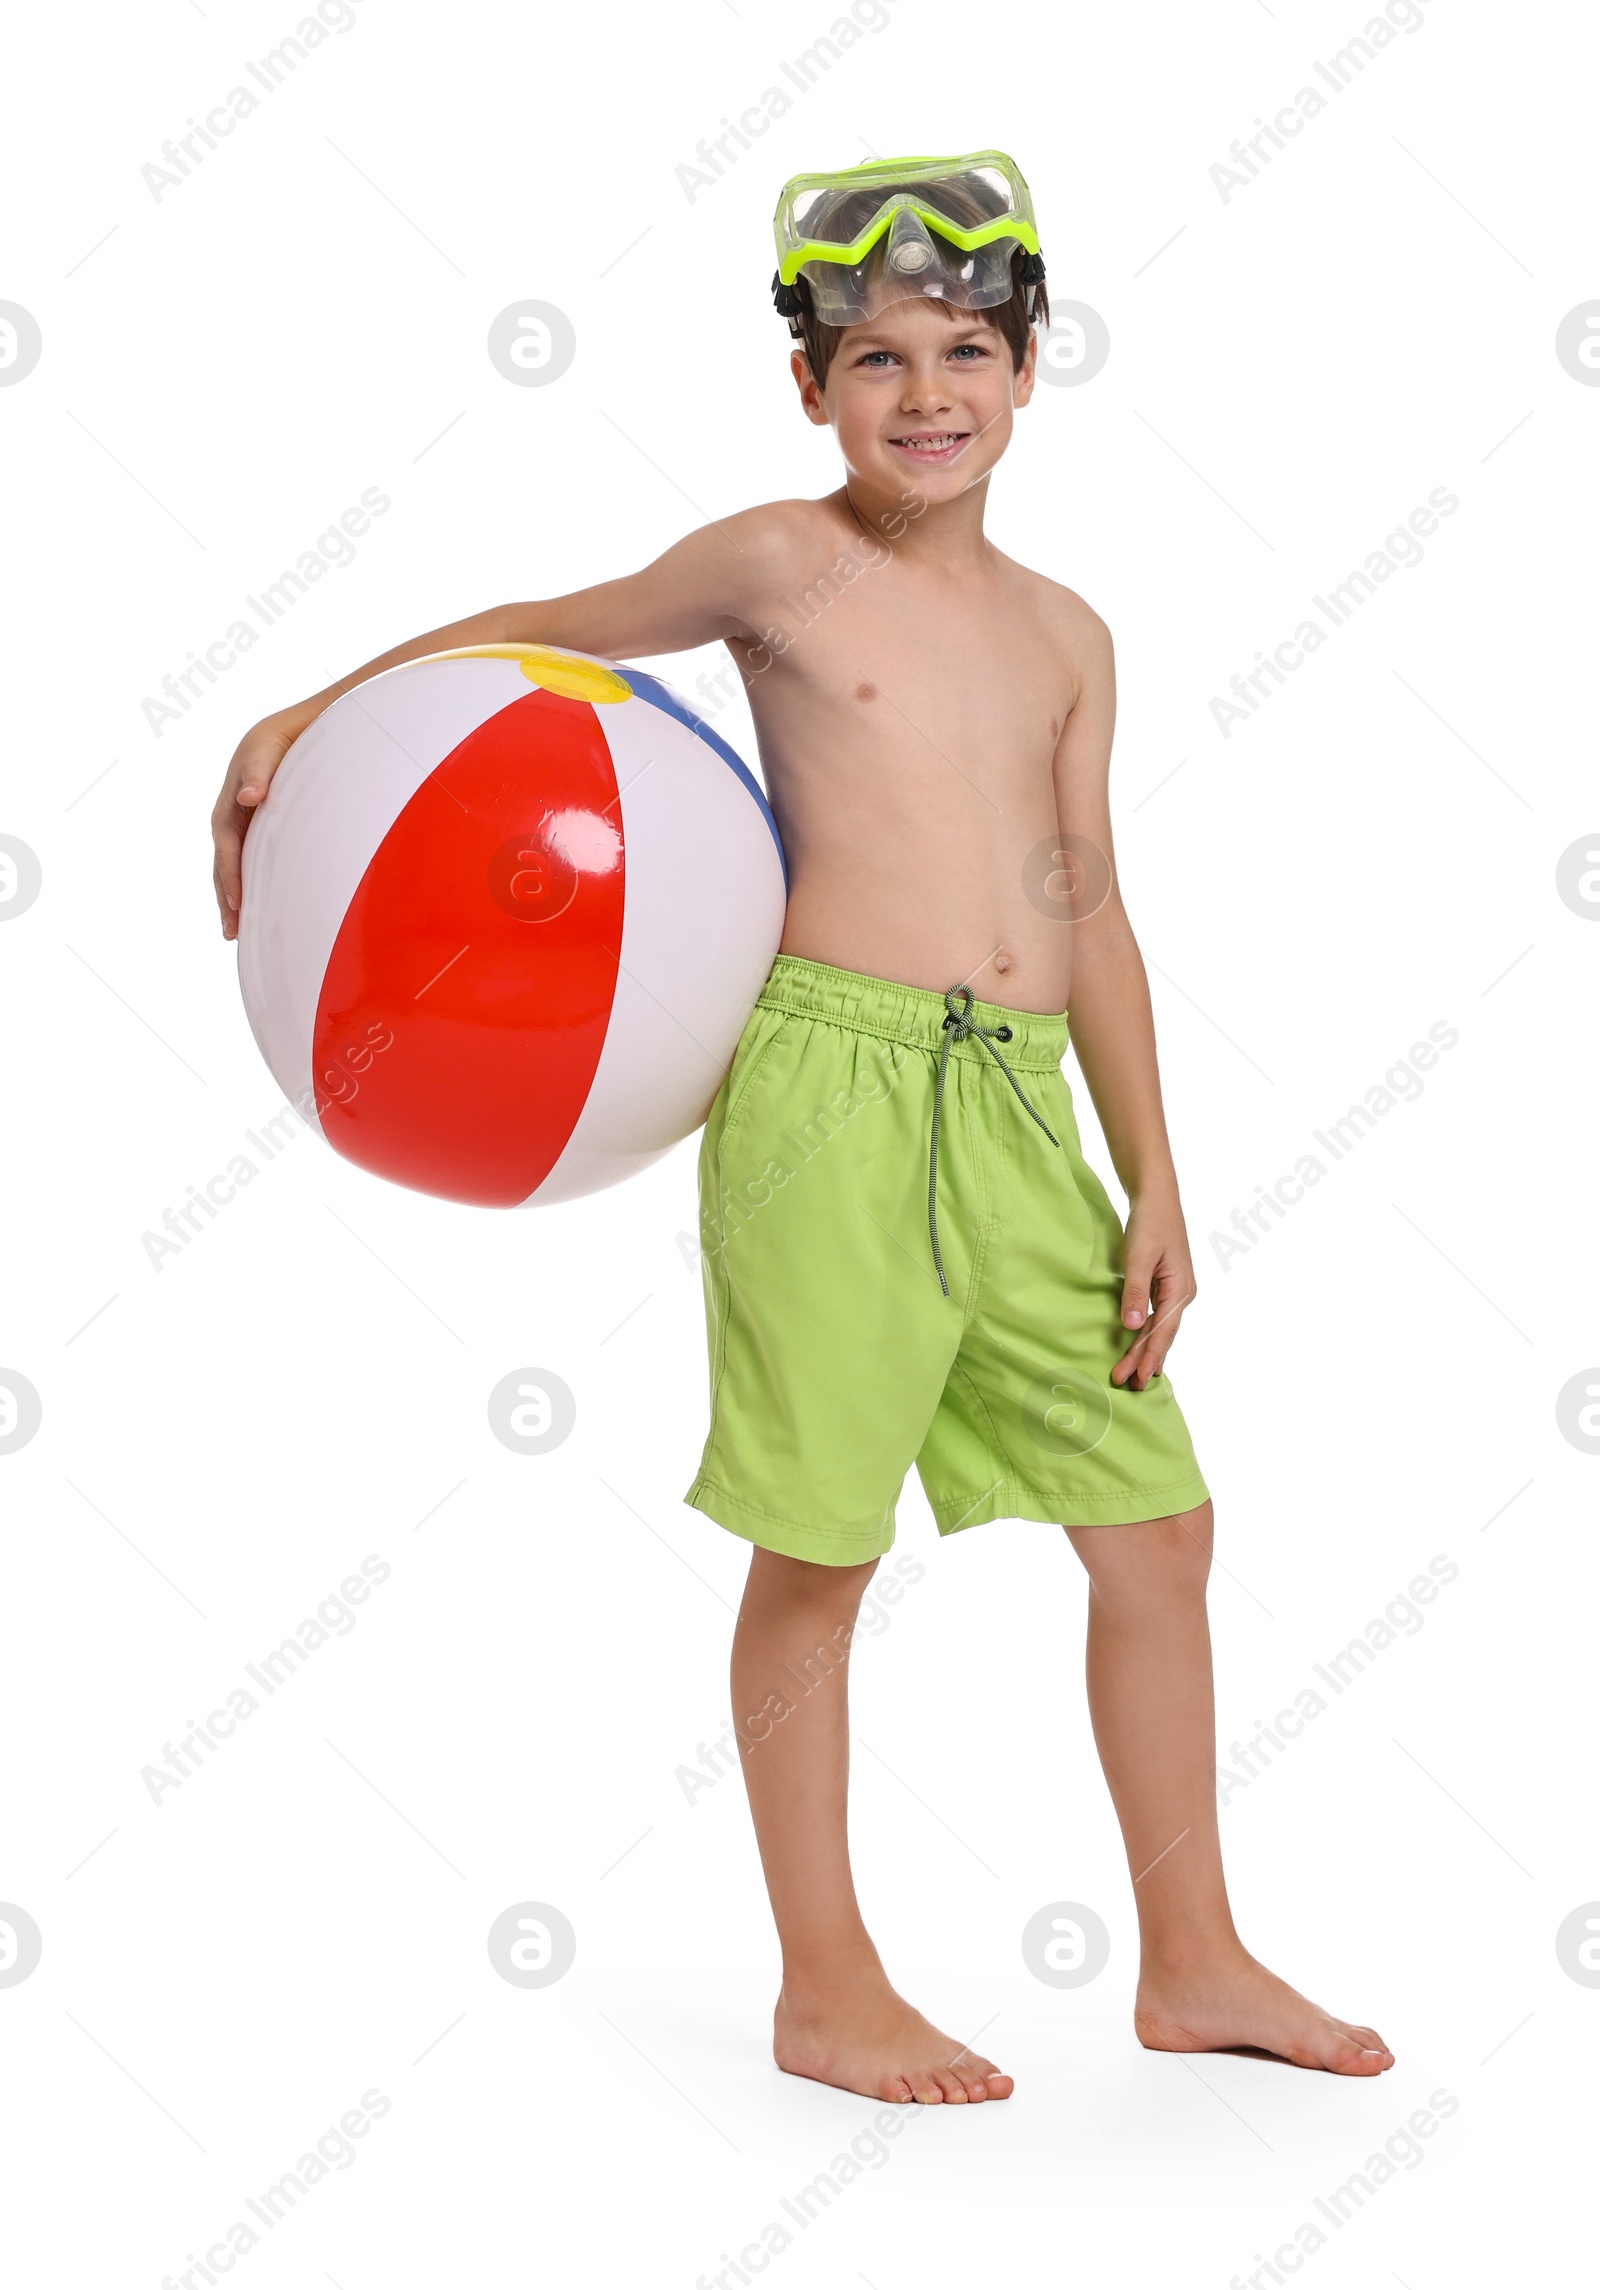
[935, 729]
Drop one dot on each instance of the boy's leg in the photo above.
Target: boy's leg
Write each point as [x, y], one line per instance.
[1150, 1697]
[838, 2020]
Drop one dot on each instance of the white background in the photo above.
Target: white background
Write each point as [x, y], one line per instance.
[1292, 371]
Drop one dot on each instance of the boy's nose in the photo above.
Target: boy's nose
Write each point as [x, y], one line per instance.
[926, 393]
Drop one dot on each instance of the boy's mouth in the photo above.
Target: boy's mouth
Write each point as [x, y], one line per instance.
[925, 445]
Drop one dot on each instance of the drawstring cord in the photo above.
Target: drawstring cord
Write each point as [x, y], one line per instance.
[958, 1024]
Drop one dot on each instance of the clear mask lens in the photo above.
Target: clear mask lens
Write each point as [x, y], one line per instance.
[906, 263]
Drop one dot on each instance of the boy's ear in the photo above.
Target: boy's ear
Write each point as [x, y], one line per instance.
[810, 395]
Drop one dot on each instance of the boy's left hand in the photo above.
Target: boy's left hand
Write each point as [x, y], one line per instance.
[1158, 1282]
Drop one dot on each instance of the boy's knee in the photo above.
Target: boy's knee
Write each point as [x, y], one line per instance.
[1170, 1556]
[802, 1582]
[1184, 1546]
[1183, 1531]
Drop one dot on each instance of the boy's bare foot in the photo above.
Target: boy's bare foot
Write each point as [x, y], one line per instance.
[1232, 2003]
[863, 2037]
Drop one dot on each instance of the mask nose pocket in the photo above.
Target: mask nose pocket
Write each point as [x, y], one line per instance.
[911, 252]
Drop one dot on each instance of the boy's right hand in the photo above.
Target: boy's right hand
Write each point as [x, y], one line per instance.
[255, 759]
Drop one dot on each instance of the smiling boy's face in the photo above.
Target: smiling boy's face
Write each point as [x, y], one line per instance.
[919, 396]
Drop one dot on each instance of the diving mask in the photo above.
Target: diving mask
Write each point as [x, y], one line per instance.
[877, 234]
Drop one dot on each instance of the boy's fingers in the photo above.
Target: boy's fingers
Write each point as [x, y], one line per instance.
[227, 878]
[1136, 1295]
[1146, 1356]
[1131, 1366]
[1163, 1334]
[228, 832]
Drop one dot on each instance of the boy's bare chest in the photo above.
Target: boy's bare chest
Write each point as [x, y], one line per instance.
[908, 667]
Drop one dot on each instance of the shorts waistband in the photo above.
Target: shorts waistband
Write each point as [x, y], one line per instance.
[910, 1014]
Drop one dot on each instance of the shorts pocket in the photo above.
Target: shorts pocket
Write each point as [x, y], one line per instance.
[753, 1052]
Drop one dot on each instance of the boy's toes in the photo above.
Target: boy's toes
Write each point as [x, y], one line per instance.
[877, 2044]
[1353, 2051]
[982, 2078]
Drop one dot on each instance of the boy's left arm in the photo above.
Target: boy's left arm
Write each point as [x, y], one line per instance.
[1110, 1020]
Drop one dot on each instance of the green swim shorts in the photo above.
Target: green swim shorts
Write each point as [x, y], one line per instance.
[837, 1357]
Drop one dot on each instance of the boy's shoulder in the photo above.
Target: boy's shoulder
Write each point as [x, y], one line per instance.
[1068, 612]
[741, 563]
[775, 534]
[1076, 632]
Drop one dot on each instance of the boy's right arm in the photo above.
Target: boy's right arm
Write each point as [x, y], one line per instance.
[689, 596]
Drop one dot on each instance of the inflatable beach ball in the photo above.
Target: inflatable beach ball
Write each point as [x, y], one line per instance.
[505, 913]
